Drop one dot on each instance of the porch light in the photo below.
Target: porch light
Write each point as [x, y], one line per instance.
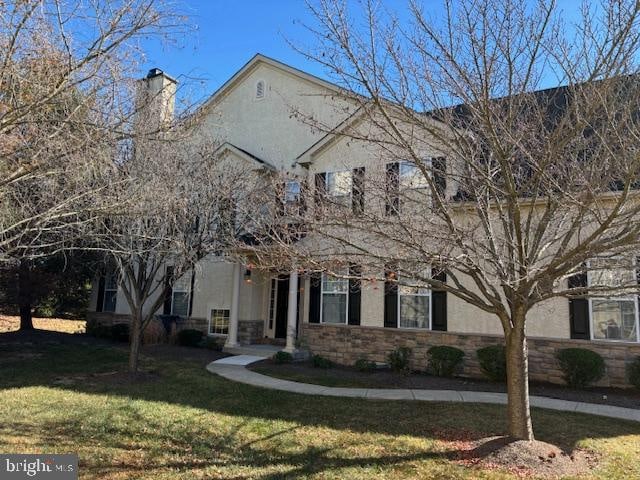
[247, 276]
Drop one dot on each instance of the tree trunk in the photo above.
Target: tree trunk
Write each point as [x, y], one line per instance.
[24, 296]
[134, 343]
[519, 414]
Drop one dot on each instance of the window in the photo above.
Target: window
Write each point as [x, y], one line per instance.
[613, 318]
[110, 293]
[219, 322]
[292, 191]
[339, 185]
[180, 296]
[260, 89]
[410, 176]
[335, 297]
[414, 305]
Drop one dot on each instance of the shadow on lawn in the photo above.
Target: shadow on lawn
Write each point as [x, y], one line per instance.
[185, 382]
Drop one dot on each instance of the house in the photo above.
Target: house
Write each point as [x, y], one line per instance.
[342, 319]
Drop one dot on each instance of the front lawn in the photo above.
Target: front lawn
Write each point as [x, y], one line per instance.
[182, 422]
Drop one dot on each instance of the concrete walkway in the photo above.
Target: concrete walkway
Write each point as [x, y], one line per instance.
[233, 368]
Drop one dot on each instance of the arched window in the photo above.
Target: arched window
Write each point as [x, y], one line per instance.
[260, 89]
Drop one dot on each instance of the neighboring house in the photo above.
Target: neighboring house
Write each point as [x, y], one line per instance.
[343, 319]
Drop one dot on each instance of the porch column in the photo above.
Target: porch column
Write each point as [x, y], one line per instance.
[292, 312]
[232, 337]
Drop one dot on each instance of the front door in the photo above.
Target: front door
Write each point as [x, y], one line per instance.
[282, 305]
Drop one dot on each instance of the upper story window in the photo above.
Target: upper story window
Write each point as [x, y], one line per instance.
[339, 184]
[260, 89]
[292, 192]
[410, 176]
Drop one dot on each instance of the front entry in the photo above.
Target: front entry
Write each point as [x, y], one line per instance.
[282, 305]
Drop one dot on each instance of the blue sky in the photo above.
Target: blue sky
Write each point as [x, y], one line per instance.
[227, 33]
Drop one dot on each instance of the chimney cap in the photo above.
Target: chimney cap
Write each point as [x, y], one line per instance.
[154, 72]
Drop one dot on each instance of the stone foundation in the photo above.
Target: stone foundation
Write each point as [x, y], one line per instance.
[346, 344]
[250, 331]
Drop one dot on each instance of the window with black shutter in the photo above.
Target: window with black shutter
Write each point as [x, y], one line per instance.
[392, 204]
[320, 193]
[439, 169]
[390, 297]
[315, 297]
[579, 309]
[354, 294]
[357, 196]
[439, 304]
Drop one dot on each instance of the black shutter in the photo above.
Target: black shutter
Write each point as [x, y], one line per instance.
[579, 309]
[193, 281]
[392, 204]
[281, 191]
[315, 293]
[166, 309]
[439, 305]
[320, 192]
[390, 298]
[439, 169]
[100, 299]
[357, 191]
[354, 295]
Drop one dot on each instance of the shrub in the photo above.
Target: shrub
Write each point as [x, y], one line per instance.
[580, 367]
[443, 360]
[154, 333]
[493, 362]
[633, 372]
[120, 332]
[282, 357]
[321, 362]
[213, 343]
[365, 365]
[399, 359]
[189, 337]
[99, 331]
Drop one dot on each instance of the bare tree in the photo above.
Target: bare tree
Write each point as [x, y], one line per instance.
[181, 195]
[65, 94]
[509, 193]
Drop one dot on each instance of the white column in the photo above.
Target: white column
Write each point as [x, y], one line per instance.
[292, 312]
[232, 337]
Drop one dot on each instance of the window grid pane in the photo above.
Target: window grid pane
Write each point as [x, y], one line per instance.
[219, 322]
[614, 319]
[180, 303]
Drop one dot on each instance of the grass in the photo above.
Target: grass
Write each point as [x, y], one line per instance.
[10, 323]
[184, 423]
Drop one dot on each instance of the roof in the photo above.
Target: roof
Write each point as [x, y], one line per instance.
[241, 152]
[253, 63]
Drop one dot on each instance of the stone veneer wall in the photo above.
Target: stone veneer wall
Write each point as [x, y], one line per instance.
[346, 344]
[249, 331]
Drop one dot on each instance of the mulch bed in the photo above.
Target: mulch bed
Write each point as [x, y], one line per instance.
[347, 376]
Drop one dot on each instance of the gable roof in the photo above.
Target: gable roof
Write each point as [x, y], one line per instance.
[242, 153]
[252, 64]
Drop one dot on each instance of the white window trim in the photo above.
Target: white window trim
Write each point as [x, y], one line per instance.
[104, 294]
[209, 334]
[427, 163]
[326, 180]
[346, 310]
[628, 298]
[428, 294]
